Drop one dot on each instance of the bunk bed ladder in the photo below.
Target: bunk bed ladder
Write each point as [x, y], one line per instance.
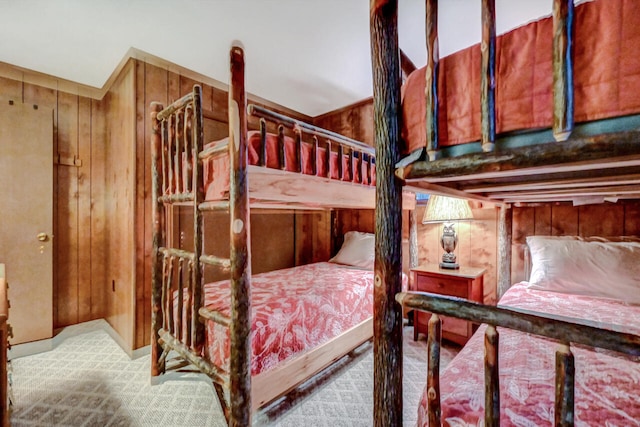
[177, 275]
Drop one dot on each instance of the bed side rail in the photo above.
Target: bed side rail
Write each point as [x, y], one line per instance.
[363, 154]
[565, 330]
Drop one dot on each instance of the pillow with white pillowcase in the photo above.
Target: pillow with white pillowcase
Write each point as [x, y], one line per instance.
[357, 250]
[589, 266]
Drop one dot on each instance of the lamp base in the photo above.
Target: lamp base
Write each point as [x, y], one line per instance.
[450, 265]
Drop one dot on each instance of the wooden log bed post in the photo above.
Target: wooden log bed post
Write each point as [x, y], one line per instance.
[491, 377]
[565, 386]
[197, 278]
[157, 259]
[562, 69]
[387, 314]
[240, 357]
[488, 75]
[431, 75]
[505, 222]
[433, 375]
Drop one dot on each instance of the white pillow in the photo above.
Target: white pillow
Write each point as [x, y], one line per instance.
[586, 267]
[358, 250]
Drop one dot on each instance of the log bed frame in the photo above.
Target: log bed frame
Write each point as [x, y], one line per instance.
[177, 139]
[573, 165]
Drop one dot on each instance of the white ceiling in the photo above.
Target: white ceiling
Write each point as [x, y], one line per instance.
[310, 56]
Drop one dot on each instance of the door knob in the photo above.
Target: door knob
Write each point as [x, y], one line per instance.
[43, 237]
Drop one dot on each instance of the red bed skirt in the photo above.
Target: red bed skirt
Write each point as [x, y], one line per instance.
[606, 77]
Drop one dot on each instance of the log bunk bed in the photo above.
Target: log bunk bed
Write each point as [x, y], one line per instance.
[585, 59]
[285, 164]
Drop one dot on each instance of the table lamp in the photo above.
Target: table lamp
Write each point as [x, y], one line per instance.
[447, 210]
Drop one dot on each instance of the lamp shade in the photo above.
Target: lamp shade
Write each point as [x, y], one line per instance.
[441, 208]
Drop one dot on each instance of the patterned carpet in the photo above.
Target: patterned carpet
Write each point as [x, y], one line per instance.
[87, 380]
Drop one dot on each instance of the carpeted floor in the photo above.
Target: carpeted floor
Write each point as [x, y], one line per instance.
[87, 380]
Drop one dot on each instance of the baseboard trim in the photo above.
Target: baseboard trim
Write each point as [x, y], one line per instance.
[41, 346]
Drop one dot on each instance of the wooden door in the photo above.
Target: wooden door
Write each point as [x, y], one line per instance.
[26, 218]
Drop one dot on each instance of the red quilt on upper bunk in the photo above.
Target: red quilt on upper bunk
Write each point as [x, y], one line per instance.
[606, 77]
[216, 169]
[293, 310]
[607, 383]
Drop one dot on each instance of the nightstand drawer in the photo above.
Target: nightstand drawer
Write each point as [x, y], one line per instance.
[443, 285]
[464, 283]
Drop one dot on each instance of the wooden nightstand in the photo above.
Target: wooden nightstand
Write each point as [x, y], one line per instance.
[466, 282]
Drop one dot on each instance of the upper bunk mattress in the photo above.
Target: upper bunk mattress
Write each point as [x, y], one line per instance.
[606, 77]
[606, 385]
[216, 169]
[293, 310]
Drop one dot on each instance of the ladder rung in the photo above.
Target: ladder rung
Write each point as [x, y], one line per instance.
[177, 253]
[177, 198]
[224, 263]
[216, 150]
[214, 315]
[214, 206]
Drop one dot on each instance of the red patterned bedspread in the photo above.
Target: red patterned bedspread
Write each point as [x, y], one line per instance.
[293, 310]
[607, 384]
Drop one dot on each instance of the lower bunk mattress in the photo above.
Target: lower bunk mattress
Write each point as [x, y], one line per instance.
[216, 170]
[292, 310]
[607, 383]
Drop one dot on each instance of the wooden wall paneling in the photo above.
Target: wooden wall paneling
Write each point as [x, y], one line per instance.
[523, 226]
[220, 102]
[186, 85]
[10, 90]
[322, 227]
[67, 204]
[542, 218]
[312, 236]
[99, 249]
[303, 241]
[207, 97]
[173, 87]
[483, 248]
[463, 248]
[121, 175]
[85, 284]
[272, 241]
[601, 220]
[354, 121]
[632, 219]
[564, 220]
[429, 249]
